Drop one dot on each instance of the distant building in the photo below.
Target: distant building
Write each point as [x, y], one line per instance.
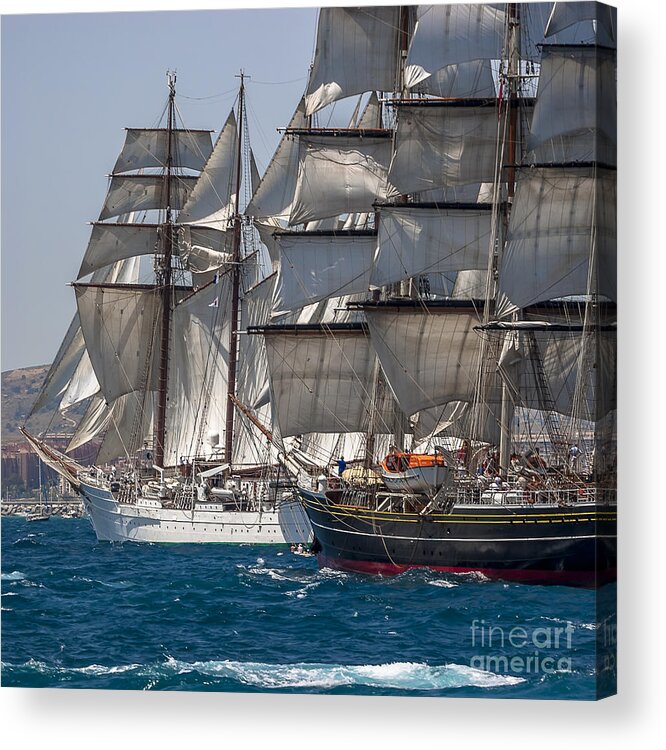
[21, 465]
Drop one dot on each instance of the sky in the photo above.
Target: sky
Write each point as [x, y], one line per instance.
[70, 84]
[72, 81]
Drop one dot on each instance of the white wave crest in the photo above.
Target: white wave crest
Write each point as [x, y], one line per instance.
[397, 675]
[15, 575]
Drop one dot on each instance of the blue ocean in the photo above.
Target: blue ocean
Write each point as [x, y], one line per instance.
[78, 613]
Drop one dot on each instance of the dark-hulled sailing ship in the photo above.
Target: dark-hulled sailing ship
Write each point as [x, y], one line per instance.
[443, 311]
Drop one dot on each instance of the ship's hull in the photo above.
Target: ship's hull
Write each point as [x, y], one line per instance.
[146, 521]
[535, 544]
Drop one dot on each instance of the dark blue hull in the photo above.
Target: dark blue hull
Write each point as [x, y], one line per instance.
[573, 545]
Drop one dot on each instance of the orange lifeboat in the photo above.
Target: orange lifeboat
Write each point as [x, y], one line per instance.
[400, 462]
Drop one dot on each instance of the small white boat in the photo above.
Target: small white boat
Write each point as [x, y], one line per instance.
[414, 472]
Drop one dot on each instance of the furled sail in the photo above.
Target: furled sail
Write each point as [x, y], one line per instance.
[356, 51]
[149, 148]
[211, 202]
[143, 192]
[317, 266]
[204, 252]
[417, 239]
[340, 174]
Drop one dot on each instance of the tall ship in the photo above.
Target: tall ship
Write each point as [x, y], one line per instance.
[159, 366]
[442, 327]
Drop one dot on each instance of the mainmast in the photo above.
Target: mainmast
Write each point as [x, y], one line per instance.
[165, 282]
[235, 287]
[513, 76]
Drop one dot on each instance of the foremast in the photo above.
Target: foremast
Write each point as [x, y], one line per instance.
[235, 286]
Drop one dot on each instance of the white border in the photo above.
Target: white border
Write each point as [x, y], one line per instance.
[100, 719]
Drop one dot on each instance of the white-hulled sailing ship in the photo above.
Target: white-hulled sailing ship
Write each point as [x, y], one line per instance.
[443, 307]
[158, 363]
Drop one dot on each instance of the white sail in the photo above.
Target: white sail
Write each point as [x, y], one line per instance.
[93, 422]
[63, 367]
[130, 423]
[204, 252]
[470, 285]
[211, 202]
[429, 358]
[314, 267]
[440, 420]
[452, 144]
[73, 345]
[372, 114]
[466, 80]
[129, 413]
[252, 388]
[198, 368]
[565, 15]
[149, 148]
[274, 195]
[357, 51]
[82, 385]
[416, 240]
[562, 237]
[132, 192]
[575, 114]
[257, 304]
[339, 175]
[320, 380]
[447, 36]
[113, 242]
[119, 327]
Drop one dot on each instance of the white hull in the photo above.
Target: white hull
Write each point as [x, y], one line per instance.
[147, 521]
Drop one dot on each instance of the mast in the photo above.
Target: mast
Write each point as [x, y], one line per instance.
[235, 288]
[513, 75]
[164, 280]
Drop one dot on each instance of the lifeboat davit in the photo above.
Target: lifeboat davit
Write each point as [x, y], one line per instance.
[414, 472]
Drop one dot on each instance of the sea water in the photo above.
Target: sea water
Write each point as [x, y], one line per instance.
[78, 613]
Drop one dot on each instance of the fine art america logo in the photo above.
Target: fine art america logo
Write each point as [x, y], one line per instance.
[542, 650]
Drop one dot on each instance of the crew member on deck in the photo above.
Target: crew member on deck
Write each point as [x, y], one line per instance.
[342, 465]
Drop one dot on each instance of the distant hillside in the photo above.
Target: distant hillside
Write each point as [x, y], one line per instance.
[20, 389]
